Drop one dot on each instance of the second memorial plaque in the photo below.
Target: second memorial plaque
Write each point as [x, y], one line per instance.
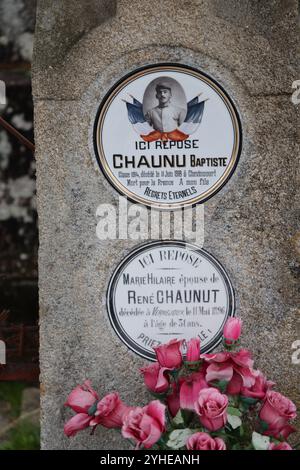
[167, 290]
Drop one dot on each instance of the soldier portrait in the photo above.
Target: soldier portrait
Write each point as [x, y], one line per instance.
[164, 104]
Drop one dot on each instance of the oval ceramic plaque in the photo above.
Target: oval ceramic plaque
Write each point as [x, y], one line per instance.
[167, 136]
[169, 289]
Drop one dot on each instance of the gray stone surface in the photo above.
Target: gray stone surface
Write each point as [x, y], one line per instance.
[250, 225]
[250, 42]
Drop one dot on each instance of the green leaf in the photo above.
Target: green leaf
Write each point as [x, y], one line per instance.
[263, 425]
[193, 365]
[233, 344]
[233, 411]
[178, 420]
[248, 401]
[260, 442]
[236, 446]
[161, 443]
[221, 385]
[174, 373]
[92, 409]
[187, 416]
[234, 421]
[178, 438]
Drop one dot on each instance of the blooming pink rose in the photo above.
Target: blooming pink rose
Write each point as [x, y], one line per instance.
[243, 365]
[240, 358]
[193, 350]
[259, 389]
[280, 446]
[276, 411]
[169, 354]
[83, 399]
[235, 367]
[110, 412]
[155, 378]
[203, 441]
[232, 330]
[190, 388]
[145, 425]
[219, 371]
[211, 406]
[173, 401]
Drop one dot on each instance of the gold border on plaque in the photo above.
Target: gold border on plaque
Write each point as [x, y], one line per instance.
[234, 155]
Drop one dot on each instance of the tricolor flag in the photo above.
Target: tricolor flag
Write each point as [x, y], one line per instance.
[148, 133]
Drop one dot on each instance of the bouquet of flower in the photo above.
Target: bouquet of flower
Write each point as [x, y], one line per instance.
[201, 402]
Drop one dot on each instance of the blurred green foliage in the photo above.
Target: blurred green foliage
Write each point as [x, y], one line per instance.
[24, 435]
[12, 393]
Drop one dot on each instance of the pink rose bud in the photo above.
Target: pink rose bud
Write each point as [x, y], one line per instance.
[276, 411]
[169, 354]
[155, 378]
[259, 388]
[203, 441]
[77, 423]
[280, 446]
[83, 400]
[145, 425]
[193, 350]
[232, 330]
[110, 412]
[172, 400]
[190, 388]
[211, 406]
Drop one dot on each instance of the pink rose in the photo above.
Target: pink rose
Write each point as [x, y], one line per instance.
[83, 400]
[235, 385]
[280, 446]
[145, 425]
[173, 400]
[77, 423]
[259, 388]
[169, 354]
[232, 330]
[193, 350]
[242, 364]
[219, 371]
[190, 388]
[110, 412]
[235, 368]
[216, 357]
[211, 406]
[276, 411]
[240, 358]
[203, 441]
[155, 378]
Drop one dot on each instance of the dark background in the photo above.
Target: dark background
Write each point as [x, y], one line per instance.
[19, 392]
